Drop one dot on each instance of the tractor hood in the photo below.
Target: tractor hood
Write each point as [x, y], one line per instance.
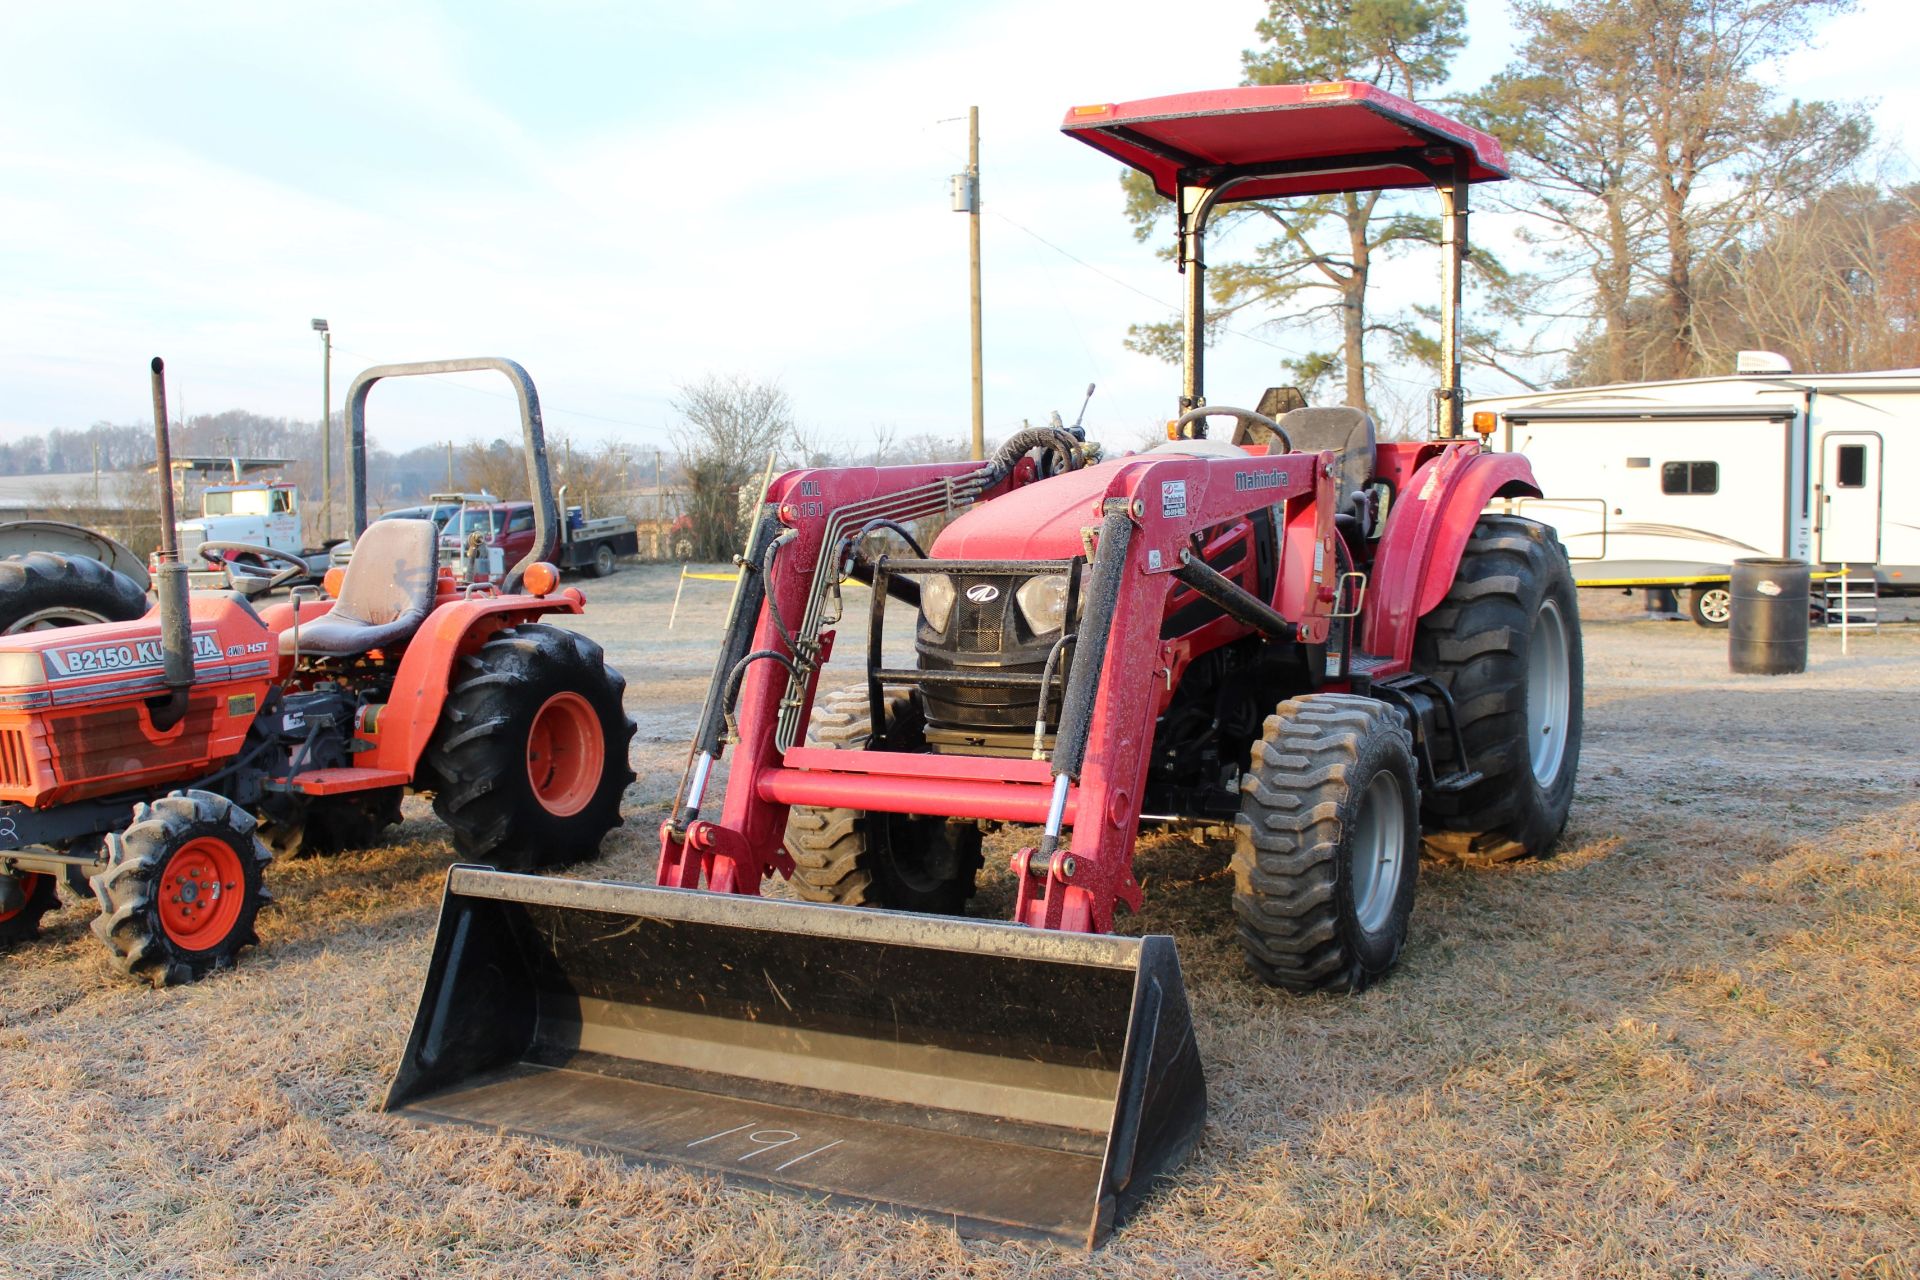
[122, 660]
[1039, 522]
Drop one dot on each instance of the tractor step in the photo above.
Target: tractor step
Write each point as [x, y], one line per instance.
[1453, 782]
[1016, 1082]
[340, 781]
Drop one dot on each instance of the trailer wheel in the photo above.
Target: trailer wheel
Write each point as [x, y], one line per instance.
[1711, 606]
[37, 897]
[1327, 844]
[41, 590]
[854, 857]
[301, 826]
[530, 755]
[181, 888]
[1505, 642]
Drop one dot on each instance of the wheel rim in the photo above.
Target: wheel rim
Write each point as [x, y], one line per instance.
[565, 754]
[29, 886]
[1716, 604]
[1549, 692]
[1378, 848]
[57, 616]
[202, 888]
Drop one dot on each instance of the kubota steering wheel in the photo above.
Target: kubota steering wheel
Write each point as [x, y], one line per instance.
[296, 567]
[1250, 424]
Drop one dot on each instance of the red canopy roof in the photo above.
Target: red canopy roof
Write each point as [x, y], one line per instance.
[1338, 136]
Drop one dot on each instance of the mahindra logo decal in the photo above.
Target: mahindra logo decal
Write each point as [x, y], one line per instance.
[984, 593]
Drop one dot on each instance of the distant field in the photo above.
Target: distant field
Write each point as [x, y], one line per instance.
[1687, 1045]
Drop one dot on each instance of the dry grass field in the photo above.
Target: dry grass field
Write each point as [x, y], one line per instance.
[1687, 1045]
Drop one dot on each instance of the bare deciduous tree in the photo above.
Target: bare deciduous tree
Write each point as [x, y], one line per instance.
[731, 423]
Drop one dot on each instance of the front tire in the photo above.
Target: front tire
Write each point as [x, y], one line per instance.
[37, 897]
[1505, 643]
[1327, 844]
[181, 889]
[857, 858]
[1711, 606]
[530, 756]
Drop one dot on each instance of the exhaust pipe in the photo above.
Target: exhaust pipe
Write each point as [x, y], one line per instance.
[1015, 1082]
[170, 583]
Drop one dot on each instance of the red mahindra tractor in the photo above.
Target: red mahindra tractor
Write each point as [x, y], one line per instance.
[1326, 639]
[141, 761]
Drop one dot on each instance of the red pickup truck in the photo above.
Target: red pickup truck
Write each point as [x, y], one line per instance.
[501, 533]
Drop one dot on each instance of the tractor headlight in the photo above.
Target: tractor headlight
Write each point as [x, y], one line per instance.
[21, 668]
[936, 600]
[1043, 602]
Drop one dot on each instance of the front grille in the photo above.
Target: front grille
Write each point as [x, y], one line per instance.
[16, 765]
[981, 627]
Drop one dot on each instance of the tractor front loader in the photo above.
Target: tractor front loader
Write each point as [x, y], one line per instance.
[1322, 638]
[142, 762]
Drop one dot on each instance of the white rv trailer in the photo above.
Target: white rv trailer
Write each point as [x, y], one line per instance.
[1668, 483]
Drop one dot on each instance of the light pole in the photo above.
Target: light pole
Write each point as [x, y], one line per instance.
[966, 199]
[326, 428]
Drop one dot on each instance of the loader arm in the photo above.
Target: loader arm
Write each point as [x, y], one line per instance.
[1144, 514]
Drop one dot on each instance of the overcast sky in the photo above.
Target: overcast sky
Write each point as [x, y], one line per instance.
[624, 197]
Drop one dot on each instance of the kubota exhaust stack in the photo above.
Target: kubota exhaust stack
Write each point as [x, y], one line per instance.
[1018, 1082]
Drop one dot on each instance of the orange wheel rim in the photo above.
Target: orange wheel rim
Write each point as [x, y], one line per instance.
[29, 886]
[565, 754]
[202, 888]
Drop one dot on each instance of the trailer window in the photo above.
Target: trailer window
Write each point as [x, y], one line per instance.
[1690, 477]
[1852, 467]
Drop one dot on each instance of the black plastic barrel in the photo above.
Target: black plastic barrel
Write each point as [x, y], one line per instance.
[1767, 632]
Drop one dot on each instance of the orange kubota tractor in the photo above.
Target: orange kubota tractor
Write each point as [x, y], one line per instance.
[142, 761]
[1324, 638]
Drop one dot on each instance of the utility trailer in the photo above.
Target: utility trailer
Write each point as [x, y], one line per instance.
[1665, 484]
[1319, 636]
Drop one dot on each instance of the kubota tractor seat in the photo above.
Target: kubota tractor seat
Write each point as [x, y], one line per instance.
[387, 593]
[1348, 432]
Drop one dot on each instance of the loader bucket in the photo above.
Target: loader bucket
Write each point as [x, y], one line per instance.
[1016, 1082]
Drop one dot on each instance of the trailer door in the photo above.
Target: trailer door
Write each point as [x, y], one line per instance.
[1850, 497]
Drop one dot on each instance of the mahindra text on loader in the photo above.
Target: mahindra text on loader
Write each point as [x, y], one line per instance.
[1323, 637]
[142, 761]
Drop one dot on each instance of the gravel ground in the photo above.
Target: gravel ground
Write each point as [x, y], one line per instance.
[1686, 1044]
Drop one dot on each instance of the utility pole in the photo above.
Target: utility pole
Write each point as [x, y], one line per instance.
[966, 199]
[449, 466]
[326, 428]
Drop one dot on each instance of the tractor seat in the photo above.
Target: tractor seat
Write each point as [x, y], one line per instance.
[387, 593]
[1346, 431]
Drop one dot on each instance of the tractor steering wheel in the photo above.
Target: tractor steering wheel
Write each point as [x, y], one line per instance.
[296, 567]
[1250, 426]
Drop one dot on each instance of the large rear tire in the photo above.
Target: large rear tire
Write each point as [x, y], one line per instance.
[857, 858]
[1505, 642]
[42, 590]
[181, 888]
[1327, 844]
[301, 826]
[530, 756]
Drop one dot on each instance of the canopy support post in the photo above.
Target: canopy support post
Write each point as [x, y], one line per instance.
[1453, 249]
[1193, 265]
